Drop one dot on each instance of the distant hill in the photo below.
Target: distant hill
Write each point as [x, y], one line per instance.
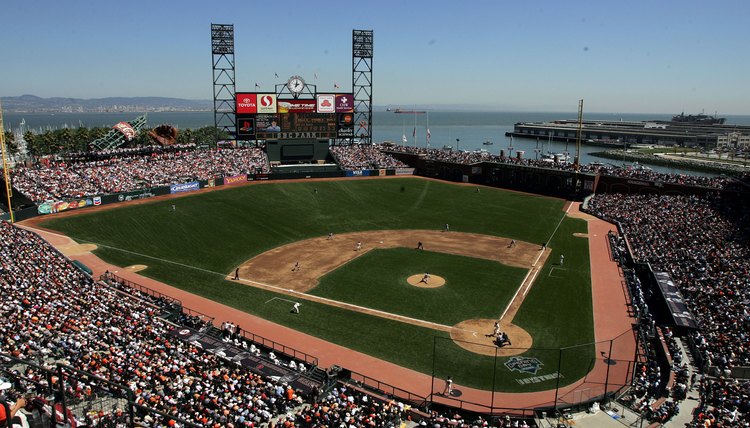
[32, 103]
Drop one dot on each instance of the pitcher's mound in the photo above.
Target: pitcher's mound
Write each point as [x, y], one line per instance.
[433, 281]
[136, 268]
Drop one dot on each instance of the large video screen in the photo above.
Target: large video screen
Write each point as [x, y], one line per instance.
[327, 116]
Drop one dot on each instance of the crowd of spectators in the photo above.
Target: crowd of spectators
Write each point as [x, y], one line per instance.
[702, 242]
[635, 172]
[55, 313]
[724, 403]
[363, 156]
[125, 171]
[641, 173]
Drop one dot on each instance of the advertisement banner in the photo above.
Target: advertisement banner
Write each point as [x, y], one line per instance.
[184, 187]
[326, 104]
[404, 171]
[97, 200]
[344, 103]
[235, 179]
[266, 103]
[358, 173]
[247, 103]
[381, 172]
[296, 106]
[49, 207]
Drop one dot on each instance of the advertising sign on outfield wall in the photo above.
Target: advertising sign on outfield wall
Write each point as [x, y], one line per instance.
[184, 187]
[235, 179]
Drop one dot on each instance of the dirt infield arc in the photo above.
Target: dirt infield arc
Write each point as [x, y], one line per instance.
[294, 269]
[610, 320]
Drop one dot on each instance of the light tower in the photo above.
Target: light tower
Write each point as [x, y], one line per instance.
[362, 42]
[222, 62]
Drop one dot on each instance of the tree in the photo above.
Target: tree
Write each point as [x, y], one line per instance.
[10, 142]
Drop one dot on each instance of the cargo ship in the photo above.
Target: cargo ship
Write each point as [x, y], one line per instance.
[700, 119]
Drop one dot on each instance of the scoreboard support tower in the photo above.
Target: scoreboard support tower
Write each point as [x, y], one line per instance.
[222, 55]
[362, 41]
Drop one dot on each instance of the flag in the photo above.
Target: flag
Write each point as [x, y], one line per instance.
[257, 85]
[276, 75]
[335, 85]
[315, 76]
[428, 135]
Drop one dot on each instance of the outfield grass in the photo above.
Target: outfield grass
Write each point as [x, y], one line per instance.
[213, 232]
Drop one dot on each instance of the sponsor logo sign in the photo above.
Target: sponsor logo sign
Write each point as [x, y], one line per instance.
[296, 106]
[266, 103]
[524, 365]
[97, 200]
[345, 125]
[404, 171]
[344, 103]
[326, 104]
[247, 103]
[245, 126]
[126, 130]
[235, 179]
[184, 187]
[381, 172]
[539, 379]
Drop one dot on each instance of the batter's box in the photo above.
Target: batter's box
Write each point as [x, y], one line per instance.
[553, 272]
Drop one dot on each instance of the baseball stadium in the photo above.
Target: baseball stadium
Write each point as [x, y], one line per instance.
[304, 276]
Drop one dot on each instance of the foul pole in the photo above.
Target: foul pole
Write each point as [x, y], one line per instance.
[6, 173]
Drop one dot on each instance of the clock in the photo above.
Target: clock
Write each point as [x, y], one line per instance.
[296, 85]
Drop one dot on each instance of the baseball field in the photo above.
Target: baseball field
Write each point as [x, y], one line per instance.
[360, 288]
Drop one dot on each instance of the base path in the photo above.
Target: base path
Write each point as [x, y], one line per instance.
[318, 256]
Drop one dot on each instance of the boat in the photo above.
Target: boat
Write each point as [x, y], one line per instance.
[699, 119]
[555, 157]
[488, 143]
[402, 111]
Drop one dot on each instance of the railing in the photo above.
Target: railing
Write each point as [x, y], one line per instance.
[268, 343]
[387, 389]
[286, 350]
[109, 276]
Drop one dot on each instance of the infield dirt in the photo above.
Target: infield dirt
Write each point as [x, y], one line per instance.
[296, 268]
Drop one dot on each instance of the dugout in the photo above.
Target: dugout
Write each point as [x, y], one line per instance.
[298, 151]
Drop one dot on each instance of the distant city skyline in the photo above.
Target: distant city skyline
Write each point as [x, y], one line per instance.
[621, 57]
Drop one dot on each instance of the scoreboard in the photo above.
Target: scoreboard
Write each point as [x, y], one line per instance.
[264, 117]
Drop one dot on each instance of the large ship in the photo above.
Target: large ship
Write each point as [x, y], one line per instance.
[700, 119]
[404, 111]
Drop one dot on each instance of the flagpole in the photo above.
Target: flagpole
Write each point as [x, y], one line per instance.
[414, 111]
[427, 125]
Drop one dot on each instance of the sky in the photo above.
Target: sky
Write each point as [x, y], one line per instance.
[631, 56]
